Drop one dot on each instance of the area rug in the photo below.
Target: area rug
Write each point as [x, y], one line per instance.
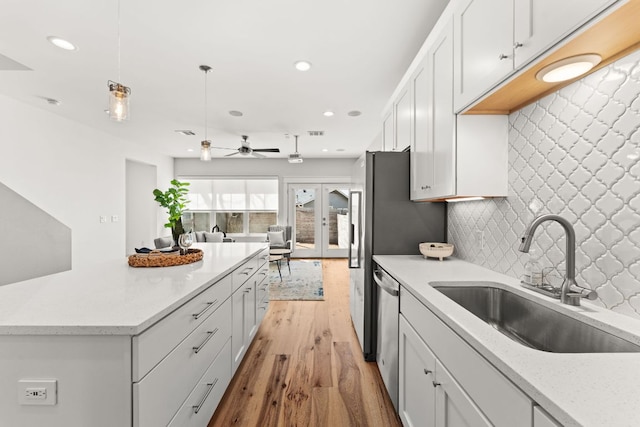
[304, 283]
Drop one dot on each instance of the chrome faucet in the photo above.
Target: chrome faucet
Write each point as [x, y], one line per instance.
[570, 292]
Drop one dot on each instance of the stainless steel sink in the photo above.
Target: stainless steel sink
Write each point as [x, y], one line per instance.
[529, 323]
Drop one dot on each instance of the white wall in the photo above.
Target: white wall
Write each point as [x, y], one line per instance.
[74, 173]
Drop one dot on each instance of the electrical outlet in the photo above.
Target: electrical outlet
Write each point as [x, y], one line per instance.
[37, 392]
[114, 218]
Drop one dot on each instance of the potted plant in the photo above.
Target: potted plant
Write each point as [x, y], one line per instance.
[175, 200]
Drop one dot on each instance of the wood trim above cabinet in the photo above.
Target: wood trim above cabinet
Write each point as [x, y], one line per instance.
[613, 37]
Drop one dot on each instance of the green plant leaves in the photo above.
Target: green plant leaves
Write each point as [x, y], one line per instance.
[174, 199]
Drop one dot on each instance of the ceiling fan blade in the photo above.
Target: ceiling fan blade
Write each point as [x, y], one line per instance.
[224, 148]
[232, 154]
[267, 150]
[258, 155]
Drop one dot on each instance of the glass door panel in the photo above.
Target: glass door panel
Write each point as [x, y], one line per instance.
[304, 199]
[335, 221]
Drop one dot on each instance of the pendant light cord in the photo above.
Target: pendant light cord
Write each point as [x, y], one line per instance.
[119, 80]
[205, 104]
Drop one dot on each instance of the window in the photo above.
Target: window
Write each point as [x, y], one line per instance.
[237, 206]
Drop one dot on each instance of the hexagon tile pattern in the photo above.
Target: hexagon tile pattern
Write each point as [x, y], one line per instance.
[573, 153]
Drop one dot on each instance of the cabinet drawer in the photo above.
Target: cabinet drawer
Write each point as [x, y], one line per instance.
[244, 272]
[207, 394]
[156, 342]
[263, 257]
[158, 396]
[506, 405]
[262, 289]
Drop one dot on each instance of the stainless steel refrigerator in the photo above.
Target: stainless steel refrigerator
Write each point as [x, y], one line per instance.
[384, 221]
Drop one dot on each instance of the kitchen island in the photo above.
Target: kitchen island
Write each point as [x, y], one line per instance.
[576, 389]
[127, 346]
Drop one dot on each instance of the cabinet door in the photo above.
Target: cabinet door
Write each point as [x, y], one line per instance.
[402, 109]
[421, 150]
[542, 419]
[453, 407]
[484, 46]
[238, 340]
[388, 142]
[541, 23]
[250, 311]
[416, 399]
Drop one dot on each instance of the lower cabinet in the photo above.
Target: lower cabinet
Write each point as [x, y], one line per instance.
[445, 382]
[429, 395]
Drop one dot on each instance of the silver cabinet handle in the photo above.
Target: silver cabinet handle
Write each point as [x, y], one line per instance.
[204, 310]
[427, 372]
[425, 187]
[517, 45]
[247, 290]
[435, 384]
[247, 270]
[210, 335]
[199, 405]
[503, 56]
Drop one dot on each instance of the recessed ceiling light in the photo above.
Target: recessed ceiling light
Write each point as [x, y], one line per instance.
[303, 65]
[235, 113]
[354, 113]
[185, 132]
[324, 150]
[190, 150]
[568, 68]
[328, 113]
[61, 43]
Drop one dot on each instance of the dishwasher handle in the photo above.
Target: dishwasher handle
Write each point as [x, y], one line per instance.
[388, 288]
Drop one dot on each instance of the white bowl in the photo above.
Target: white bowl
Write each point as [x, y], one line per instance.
[436, 250]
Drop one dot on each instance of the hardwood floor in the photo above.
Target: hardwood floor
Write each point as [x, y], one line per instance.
[305, 367]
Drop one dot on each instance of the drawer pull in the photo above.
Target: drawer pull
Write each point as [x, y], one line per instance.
[209, 305]
[210, 335]
[247, 270]
[427, 372]
[435, 384]
[247, 290]
[197, 407]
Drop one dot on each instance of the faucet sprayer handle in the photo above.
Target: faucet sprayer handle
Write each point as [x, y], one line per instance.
[581, 292]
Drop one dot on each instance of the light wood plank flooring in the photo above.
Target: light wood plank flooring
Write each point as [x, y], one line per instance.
[305, 367]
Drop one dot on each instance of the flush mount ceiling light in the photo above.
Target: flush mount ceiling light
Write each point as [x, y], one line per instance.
[205, 146]
[295, 157]
[235, 113]
[118, 93]
[328, 113]
[354, 113]
[303, 65]
[568, 68]
[61, 43]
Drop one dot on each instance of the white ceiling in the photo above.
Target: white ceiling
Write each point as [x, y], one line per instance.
[359, 50]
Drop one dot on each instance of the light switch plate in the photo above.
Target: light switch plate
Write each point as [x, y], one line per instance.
[37, 392]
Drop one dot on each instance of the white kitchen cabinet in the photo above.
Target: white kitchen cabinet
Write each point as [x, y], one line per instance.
[403, 120]
[462, 376]
[538, 24]
[433, 148]
[483, 49]
[495, 38]
[429, 395]
[417, 395]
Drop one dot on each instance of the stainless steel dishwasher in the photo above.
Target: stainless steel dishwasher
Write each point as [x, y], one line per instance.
[387, 342]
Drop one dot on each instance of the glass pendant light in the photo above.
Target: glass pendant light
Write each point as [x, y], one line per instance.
[205, 146]
[118, 93]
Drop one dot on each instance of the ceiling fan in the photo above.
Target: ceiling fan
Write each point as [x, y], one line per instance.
[246, 150]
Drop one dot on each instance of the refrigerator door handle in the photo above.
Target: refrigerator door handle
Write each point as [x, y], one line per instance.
[388, 288]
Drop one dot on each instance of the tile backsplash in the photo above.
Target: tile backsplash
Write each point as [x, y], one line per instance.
[574, 153]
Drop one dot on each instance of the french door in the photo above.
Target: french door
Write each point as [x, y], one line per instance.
[320, 214]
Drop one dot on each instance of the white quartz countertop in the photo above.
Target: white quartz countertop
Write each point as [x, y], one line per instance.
[113, 298]
[586, 389]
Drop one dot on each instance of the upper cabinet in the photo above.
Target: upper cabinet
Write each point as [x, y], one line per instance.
[495, 38]
[433, 159]
[388, 139]
[540, 23]
[483, 51]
